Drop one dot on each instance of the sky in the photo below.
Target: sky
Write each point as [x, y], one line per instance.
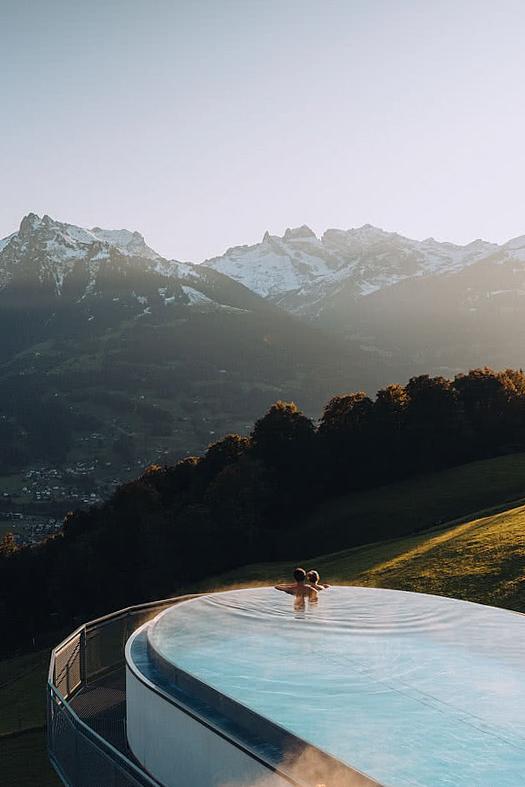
[204, 123]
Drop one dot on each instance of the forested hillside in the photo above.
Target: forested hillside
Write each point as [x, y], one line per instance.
[253, 498]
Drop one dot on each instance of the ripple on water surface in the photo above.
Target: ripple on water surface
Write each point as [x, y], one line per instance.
[409, 688]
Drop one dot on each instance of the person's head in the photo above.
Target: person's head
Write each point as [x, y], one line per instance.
[299, 575]
[313, 577]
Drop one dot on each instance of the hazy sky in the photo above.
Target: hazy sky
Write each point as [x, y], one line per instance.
[204, 123]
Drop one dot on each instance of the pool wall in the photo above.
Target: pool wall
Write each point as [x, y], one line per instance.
[184, 731]
[177, 747]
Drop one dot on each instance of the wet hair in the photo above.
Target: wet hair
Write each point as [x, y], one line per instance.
[299, 575]
[313, 577]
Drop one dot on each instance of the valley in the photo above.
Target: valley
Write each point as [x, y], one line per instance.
[114, 358]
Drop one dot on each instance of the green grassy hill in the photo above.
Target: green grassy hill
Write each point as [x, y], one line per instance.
[481, 560]
[23, 755]
[24, 762]
[416, 504]
[478, 556]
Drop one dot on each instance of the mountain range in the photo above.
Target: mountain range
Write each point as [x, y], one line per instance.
[112, 355]
[303, 273]
[109, 349]
[426, 306]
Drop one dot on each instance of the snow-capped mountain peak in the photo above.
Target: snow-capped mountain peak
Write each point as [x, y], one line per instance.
[277, 265]
[300, 271]
[50, 249]
[59, 262]
[50, 231]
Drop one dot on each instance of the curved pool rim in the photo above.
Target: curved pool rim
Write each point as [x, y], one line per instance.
[460, 617]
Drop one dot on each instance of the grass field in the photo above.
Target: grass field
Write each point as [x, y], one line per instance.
[23, 756]
[417, 503]
[24, 763]
[481, 560]
[22, 691]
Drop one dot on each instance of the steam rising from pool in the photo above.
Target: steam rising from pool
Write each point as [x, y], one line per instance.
[407, 688]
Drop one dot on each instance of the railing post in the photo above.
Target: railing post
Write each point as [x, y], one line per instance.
[82, 657]
[126, 631]
[48, 717]
[77, 764]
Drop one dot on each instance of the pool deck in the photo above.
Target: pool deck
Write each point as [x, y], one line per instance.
[102, 706]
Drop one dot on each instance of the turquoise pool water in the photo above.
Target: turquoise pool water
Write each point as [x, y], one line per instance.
[408, 688]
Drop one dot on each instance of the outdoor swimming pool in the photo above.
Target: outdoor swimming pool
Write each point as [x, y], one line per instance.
[407, 688]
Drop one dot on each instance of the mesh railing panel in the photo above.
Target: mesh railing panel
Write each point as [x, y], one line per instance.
[87, 738]
[106, 640]
[95, 766]
[105, 646]
[68, 665]
[62, 738]
[81, 759]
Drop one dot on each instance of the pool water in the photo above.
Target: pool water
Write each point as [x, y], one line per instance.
[408, 688]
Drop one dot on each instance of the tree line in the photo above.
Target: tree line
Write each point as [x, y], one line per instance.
[247, 498]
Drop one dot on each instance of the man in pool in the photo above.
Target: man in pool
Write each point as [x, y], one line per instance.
[299, 589]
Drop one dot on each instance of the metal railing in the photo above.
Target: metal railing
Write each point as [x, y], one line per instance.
[87, 746]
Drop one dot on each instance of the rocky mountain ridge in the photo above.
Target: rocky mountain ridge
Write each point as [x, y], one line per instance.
[411, 304]
[302, 272]
[418, 305]
[52, 254]
[299, 271]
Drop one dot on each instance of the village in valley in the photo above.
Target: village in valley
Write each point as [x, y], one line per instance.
[33, 503]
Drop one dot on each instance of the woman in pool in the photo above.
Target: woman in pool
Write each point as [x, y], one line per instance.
[314, 581]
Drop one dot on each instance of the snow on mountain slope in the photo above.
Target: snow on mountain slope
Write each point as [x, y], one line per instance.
[5, 241]
[60, 236]
[299, 271]
[51, 249]
[127, 242]
[278, 265]
[64, 258]
[178, 270]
